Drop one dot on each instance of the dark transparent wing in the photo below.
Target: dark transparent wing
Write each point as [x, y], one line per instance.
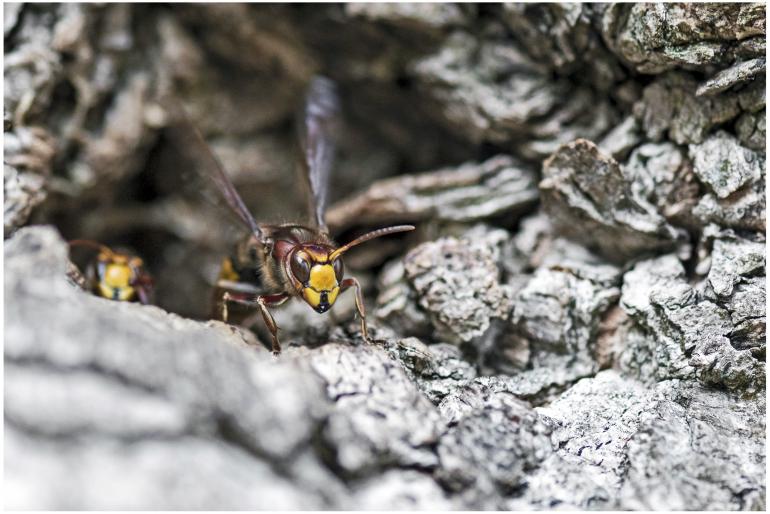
[318, 129]
[187, 136]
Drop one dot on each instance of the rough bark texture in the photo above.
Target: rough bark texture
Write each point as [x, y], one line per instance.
[578, 322]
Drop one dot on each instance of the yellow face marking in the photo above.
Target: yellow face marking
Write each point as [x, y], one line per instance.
[116, 293]
[117, 275]
[322, 277]
[314, 297]
[315, 255]
[332, 296]
[116, 282]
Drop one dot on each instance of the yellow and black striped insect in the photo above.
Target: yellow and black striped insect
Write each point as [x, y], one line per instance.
[277, 262]
[115, 275]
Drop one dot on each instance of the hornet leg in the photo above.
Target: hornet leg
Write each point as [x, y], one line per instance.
[234, 289]
[262, 301]
[352, 282]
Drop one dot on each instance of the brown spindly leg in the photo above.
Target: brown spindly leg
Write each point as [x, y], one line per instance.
[143, 295]
[144, 288]
[233, 288]
[262, 301]
[352, 282]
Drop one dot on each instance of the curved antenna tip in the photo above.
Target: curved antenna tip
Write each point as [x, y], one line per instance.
[369, 236]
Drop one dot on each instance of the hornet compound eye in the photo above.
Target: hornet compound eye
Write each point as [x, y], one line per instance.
[300, 267]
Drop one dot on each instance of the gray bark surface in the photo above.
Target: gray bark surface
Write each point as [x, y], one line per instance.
[578, 322]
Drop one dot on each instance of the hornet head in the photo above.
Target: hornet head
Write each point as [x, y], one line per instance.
[317, 269]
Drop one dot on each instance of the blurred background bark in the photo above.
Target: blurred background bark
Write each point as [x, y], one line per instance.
[588, 182]
[424, 87]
